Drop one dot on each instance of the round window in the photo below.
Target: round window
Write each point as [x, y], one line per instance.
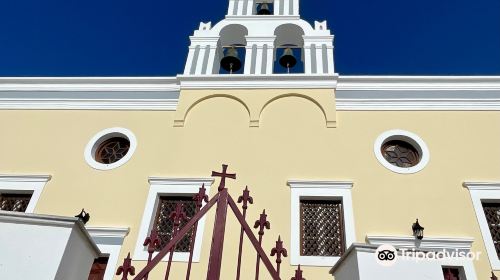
[401, 151]
[110, 148]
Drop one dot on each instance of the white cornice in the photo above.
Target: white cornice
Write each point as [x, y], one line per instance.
[353, 93]
[276, 81]
[482, 186]
[427, 243]
[419, 83]
[108, 232]
[320, 184]
[89, 104]
[24, 178]
[164, 84]
[413, 104]
[180, 181]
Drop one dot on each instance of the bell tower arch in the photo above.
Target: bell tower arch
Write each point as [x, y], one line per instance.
[261, 37]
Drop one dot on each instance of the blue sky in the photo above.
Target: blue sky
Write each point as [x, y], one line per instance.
[150, 37]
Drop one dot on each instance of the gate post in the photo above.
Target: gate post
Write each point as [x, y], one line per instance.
[215, 259]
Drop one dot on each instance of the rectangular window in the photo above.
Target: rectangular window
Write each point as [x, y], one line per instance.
[14, 201]
[453, 273]
[164, 225]
[492, 213]
[321, 228]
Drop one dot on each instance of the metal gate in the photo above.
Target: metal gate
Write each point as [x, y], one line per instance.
[222, 200]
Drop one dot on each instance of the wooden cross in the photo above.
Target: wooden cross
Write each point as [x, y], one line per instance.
[223, 175]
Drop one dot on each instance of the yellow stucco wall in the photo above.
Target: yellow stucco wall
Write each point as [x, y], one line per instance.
[292, 142]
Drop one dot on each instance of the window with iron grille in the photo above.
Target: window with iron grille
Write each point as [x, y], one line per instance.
[492, 213]
[322, 228]
[452, 273]
[164, 225]
[14, 202]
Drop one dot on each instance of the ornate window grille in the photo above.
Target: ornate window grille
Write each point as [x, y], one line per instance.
[164, 225]
[400, 153]
[112, 150]
[492, 213]
[14, 202]
[322, 228]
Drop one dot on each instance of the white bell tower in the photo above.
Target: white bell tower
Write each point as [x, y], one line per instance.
[265, 37]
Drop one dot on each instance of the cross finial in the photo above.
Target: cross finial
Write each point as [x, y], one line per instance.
[223, 175]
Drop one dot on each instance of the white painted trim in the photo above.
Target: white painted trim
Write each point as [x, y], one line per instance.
[480, 192]
[427, 243]
[353, 93]
[88, 104]
[411, 138]
[103, 135]
[140, 84]
[109, 241]
[25, 183]
[170, 186]
[244, 81]
[326, 189]
[421, 83]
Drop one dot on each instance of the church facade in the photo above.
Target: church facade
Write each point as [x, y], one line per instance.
[341, 164]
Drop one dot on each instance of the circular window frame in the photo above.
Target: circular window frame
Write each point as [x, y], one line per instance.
[406, 136]
[99, 138]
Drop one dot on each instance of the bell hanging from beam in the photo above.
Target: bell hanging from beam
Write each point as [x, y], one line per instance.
[231, 61]
[264, 9]
[288, 60]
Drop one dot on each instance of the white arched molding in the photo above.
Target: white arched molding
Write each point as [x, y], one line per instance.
[319, 189]
[406, 136]
[24, 184]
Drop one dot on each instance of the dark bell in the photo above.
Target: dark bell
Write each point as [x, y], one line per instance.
[288, 60]
[264, 9]
[231, 61]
